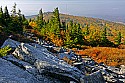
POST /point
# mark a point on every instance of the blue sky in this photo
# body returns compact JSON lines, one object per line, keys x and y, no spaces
{"x":73,"y":7}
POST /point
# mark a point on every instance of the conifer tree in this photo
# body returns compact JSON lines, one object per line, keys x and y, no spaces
{"x":56,"y":16}
{"x":1,"y":17}
{"x":56,"y":22}
{"x":41,"y":14}
{"x":6,"y":13}
{"x":86,"y":30}
{"x":6,"y":16}
{"x":1,"y":12}
{"x":104,"y":39}
{"x":79,"y":34}
{"x":14,"y":10}
{"x":40,"y":21}
{"x":118,"y":38}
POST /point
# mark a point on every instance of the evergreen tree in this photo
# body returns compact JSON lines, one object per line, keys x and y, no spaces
{"x":6,"y":13}
{"x":23,"y":18}
{"x":40,"y":21}
{"x":29,"y":20}
{"x":56,"y":16}
{"x":86,"y":30}
{"x":1,"y":12}
{"x":1,"y":17}
{"x":19,"y":13}
{"x":118,"y":39}
{"x":73,"y":32}
{"x":104,"y":39}
{"x":41,"y":14}
{"x":56,"y":22}
{"x":63,"y":25}
{"x":16,"y":23}
{"x":14,"y":10}
{"x":6,"y":16}
{"x":19,"y":16}
{"x":79,"y":34}
{"x":68,"y":41}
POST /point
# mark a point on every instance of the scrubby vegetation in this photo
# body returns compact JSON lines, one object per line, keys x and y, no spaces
{"x":107,"y":55}
{"x":4,"y":51}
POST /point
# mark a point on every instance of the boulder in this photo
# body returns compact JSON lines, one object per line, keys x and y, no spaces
{"x":31,"y":70}
{"x":11,"y":43}
{"x":47,"y":63}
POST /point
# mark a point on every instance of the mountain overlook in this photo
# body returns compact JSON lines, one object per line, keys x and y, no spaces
{"x":59,"y":48}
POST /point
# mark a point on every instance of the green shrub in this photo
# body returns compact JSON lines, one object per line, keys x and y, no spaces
{"x":4,"y":51}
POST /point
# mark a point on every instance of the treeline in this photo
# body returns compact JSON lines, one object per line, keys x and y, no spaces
{"x":12,"y":22}
{"x":70,"y":34}
{"x":61,"y":33}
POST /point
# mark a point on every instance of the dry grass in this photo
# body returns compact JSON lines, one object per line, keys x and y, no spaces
{"x":107,"y":55}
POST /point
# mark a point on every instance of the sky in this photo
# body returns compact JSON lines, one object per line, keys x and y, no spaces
{"x":72,"y":7}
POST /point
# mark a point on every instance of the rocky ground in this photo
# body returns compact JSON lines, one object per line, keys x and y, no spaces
{"x":46,"y":63}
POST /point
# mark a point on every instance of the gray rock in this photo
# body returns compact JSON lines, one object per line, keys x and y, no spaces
{"x":10,"y":73}
{"x":21,"y":64}
{"x":122,"y":69}
{"x":47,"y":64}
{"x":94,"y":78}
{"x":11,"y":43}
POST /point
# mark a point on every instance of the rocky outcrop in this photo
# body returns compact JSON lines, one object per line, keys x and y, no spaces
{"x":95,"y":77}
{"x":11,"y":43}
{"x":33,"y":63}
{"x":10,"y":73}
{"x":46,"y":63}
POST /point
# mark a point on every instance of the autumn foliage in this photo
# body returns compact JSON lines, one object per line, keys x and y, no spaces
{"x":107,"y":55}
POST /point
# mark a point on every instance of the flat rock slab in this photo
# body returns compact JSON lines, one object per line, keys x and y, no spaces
{"x":10,"y":73}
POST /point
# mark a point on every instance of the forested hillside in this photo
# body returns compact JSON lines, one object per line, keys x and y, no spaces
{"x":63,"y":30}
{"x":72,"y":31}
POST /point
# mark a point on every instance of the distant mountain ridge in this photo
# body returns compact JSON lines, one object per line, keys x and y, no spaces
{"x":112,"y":27}
{"x":119,"y":19}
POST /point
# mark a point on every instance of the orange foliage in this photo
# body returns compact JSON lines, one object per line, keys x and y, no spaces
{"x":107,"y":55}
{"x":62,"y":34}
{"x":68,"y":60}
{"x":33,"y":24}
{"x":57,"y":41}
{"x":35,"y":32}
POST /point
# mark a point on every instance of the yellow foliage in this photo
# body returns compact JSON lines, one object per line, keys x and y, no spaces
{"x":33,"y":24}
{"x":57,"y":41}
{"x":3,"y":51}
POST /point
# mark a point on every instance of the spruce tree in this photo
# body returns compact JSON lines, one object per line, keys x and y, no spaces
{"x":1,"y":12}
{"x":6,"y":13}
{"x":1,"y":17}
{"x":41,"y":14}
{"x":79,"y":34}
{"x":40,"y":21}
{"x":56,"y":22}
{"x":118,"y":39}
{"x":86,"y":30}
{"x":14,"y":10}
{"x":104,"y":39}
{"x":6,"y":16}
{"x":56,"y":15}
